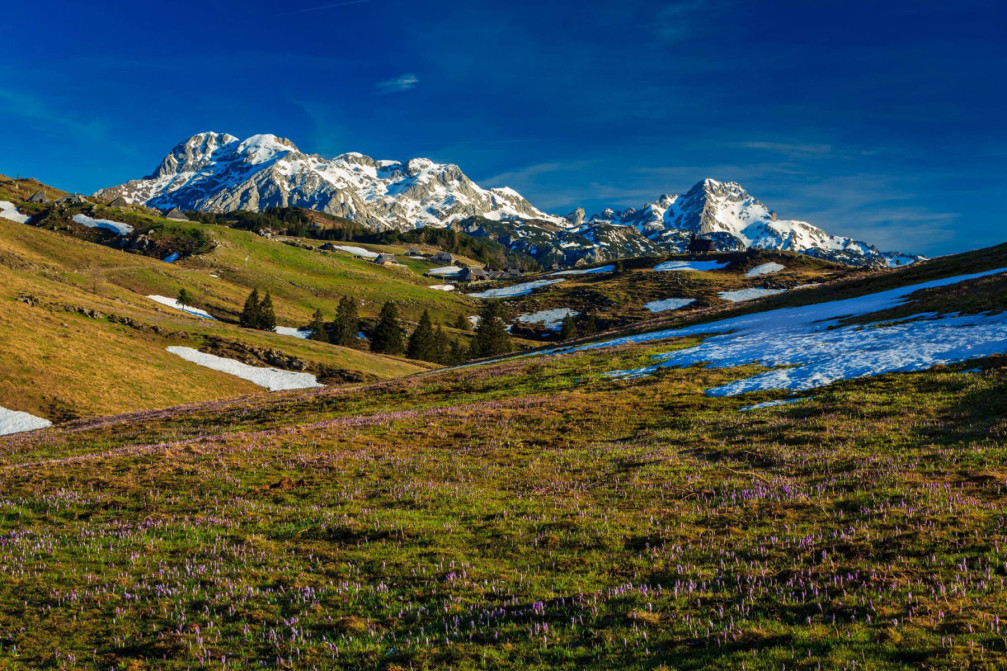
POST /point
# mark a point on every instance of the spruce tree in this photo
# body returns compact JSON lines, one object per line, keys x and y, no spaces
{"x":267,"y":318}
{"x":421,"y":342}
{"x":442,"y":350}
{"x":250,"y":316}
{"x":347,"y":324}
{"x":462,"y":323}
{"x":184,"y":299}
{"x":456,"y":354}
{"x":590,"y":325}
{"x":387,"y":337}
{"x":569,"y":329}
{"x":491,"y":337}
{"x":317,"y":327}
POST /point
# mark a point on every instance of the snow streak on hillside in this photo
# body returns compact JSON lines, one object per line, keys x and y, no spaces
{"x":809,"y":349}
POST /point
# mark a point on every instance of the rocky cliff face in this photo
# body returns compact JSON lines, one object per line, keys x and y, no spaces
{"x":217,"y":172}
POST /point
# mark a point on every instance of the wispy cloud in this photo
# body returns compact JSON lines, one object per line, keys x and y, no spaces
{"x":790,"y":149}
{"x":406,"y":82}
{"x":674,"y":21}
{"x":39,"y":112}
{"x":324,"y":7}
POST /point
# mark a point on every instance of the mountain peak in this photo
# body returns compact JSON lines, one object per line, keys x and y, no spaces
{"x":217,"y":172}
{"x":265,"y":147}
{"x":719,"y":189}
{"x":193,"y":154}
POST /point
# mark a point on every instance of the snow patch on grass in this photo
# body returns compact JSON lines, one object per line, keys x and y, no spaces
{"x":748,"y":294}
{"x":551,"y":320}
{"x":516,"y":290}
{"x":765,"y":269}
{"x":772,"y":404}
{"x":699,"y":266}
{"x":668,"y":304}
{"x":116,"y":227}
{"x":585,"y":271}
{"x":272,"y":379}
{"x":172,"y":303}
{"x":9,"y":211}
{"x":13,"y":421}
{"x":808,"y":348}
{"x":303,"y":334}
{"x":442,"y":287}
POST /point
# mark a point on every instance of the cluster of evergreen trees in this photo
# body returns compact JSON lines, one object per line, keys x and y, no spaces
{"x":425,"y":343}
{"x":258,"y":314}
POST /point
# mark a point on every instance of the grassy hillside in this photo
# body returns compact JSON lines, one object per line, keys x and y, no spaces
{"x":80,"y":338}
{"x":528,"y":514}
{"x":618,"y":298}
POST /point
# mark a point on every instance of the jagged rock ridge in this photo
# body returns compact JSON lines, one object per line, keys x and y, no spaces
{"x":217,"y":172}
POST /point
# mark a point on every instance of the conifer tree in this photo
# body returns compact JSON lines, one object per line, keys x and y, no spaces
{"x":267,"y":318}
{"x":590,"y":325}
{"x":462,"y":323}
{"x":421,"y":342}
{"x":387,"y":337}
{"x":569,"y":329}
{"x":347,"y":324}
{"x":441,"y":349}
{"x":250,"y":315}
{"x":184,"y":299}
{"x":317,"y":327}
{"x":491,"y":336}
{"x":456,"y":354}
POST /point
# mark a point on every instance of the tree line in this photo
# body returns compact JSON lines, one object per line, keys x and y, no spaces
{"x":297,"y":222}
{"x":426,"y":342}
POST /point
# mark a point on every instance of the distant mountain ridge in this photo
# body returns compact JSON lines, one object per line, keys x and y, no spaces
{"x":217,"y":172}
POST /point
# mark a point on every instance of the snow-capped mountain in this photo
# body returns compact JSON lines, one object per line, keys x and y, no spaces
{"x":217,"y":172}
{"x":726,"y":213}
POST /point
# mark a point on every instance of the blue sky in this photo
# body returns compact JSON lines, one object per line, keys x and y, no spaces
{"x":881,"y":120}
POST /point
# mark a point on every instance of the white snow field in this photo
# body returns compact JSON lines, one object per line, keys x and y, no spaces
{"x":115,"y":226}
{"x":172,"y":303}
{"x":13,"y":421}
{"x":516,"y":290}
{"x":9,"y":211}
{"x":586,"y":271}
{"x":442,"y":287}
{"x":747,"y":294}
{"x":700,"y":266}
{"x":809,"y":349}
{"x":765,"y":269}
{"x":551,"y":320}
{"x":303,"y":334}
{"x":272,"y":379}
{"x":668,"y":304}
{"x":443,"y":271}
{"x":358,"y":251}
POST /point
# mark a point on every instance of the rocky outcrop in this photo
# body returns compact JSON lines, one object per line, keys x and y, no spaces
{"x":215,"y":172}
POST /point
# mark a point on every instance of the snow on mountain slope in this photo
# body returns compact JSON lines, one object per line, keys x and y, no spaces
{"x":725,"y":212}
{"x":217,"y":172}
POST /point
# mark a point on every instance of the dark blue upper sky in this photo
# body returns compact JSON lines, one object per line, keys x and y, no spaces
{"x":881,"y":120}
